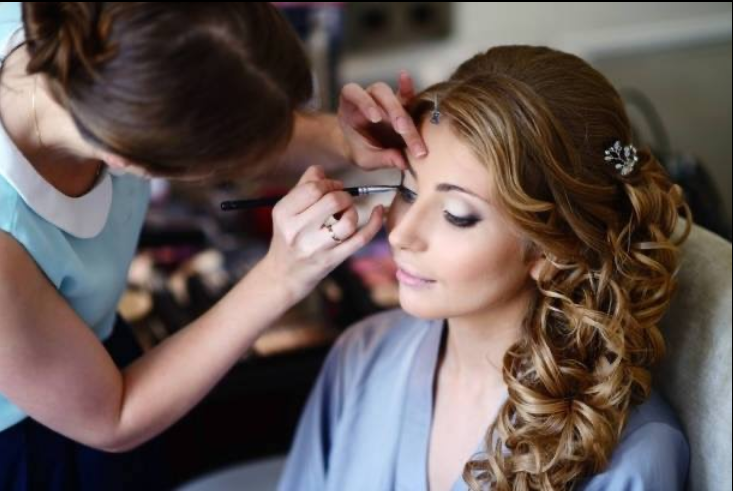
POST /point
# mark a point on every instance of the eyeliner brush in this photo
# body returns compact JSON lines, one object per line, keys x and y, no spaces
{"x":246,"y":204}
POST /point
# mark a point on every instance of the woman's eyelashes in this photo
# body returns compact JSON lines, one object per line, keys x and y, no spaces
{"x":409,"y":197}
{"x":461,"y":222}
{"x":405,"y":194}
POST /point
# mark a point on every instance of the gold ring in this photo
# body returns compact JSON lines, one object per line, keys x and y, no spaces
{"x":329,"y":227}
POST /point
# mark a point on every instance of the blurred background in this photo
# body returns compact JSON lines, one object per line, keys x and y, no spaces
{"x":670,"y":61}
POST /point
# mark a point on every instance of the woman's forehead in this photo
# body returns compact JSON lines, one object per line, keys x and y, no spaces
{"x":450,"y":160}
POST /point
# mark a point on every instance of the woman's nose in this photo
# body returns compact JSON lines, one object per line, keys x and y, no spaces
{"x":406,"y":230}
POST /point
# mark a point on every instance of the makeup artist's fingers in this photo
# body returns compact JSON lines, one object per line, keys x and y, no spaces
{"x":302,"y":255}
{"x":361,"y":238}
{"x":330,"y":204}
{"x":347,"y":224}
{"x":340,"y":230}
{"x":370,"y":155}
{"x":392,"y":158}
{"x":357,"y":106}
{"x":401,"y":121}
{"x":374,"y":146}
{"x":303,"y":196}
{"x":405,"y":88}
{"x":312,"y":173}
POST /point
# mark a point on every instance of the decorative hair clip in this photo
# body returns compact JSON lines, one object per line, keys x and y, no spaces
{"x":435,"y":116}
{"x":622,"y":157}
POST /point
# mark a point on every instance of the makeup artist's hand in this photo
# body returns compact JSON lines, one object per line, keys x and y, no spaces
{"x":376,"y":125}
{"x":303,"y":251}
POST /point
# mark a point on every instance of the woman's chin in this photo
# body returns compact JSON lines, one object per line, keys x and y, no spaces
{"x":421,"y":308}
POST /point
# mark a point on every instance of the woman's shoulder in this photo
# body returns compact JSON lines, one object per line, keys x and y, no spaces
{"x":19,"y":221}
{"x":653,"y":411}
{"x":9,"y":203}
{"x":653,"y":452}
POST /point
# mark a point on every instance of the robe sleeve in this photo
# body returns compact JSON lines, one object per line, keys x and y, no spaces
{"x":306,"y":468}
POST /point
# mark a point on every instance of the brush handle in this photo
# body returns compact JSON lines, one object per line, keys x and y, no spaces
{"x":246,"y":204}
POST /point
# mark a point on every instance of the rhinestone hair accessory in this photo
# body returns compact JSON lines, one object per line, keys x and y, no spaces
{"x":623,"y":158}
{"x":435,"y":115}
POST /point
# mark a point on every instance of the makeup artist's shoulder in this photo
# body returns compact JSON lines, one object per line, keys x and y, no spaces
{"x":387,"y":330}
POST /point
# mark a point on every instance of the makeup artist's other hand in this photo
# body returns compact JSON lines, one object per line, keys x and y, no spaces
{"x":376,"y":125}
{"x":302,"y":251}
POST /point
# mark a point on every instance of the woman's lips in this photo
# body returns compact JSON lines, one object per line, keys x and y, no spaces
{"x":410,"y":279}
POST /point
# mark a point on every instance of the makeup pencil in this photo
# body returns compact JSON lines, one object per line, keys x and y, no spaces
{"x":245,"y":204}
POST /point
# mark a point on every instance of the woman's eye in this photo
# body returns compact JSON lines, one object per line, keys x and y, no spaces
{"x":407,"y":195}
{"x":461,"y":222}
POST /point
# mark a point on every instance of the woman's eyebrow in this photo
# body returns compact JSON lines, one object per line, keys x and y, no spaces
{"x":446,"y":187}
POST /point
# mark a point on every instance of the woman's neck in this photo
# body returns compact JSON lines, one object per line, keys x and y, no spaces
{"x":475,"y":344}
{"x":44,"y":131}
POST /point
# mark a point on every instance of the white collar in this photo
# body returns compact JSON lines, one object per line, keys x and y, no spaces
{"x":83,"y":217}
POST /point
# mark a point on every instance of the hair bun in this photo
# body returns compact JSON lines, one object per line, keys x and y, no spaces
{"x":63,"y":36}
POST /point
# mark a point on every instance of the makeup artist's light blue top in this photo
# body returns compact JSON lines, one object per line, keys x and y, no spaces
{"x":83,"y":245}
{"x":367,"y":422}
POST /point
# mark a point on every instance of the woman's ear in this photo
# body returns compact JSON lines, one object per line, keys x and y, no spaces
{"x":123,"y":165}
{"x":536,"y":267}
{"x":116,"y":161}
{"x":538,"y":263}
{"x":542,"y":267}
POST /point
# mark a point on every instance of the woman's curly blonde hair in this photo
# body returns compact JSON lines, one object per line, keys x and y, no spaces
{"x":541,"y":120}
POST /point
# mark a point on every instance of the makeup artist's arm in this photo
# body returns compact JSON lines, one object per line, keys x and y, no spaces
{"x":55,"y":369}
{"x":370,"y":128}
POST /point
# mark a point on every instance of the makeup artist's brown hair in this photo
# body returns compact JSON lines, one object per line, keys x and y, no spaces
{"x":183,"y":88}
{"x":540,"y":120}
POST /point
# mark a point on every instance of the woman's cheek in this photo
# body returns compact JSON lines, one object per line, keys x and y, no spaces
{"x":396,"y":210}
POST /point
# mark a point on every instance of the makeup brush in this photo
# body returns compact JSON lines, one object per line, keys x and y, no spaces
{"x":245,"y":204}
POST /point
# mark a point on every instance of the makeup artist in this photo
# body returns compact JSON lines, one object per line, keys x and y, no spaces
{"x":99,"y":96}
